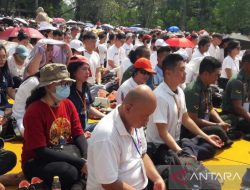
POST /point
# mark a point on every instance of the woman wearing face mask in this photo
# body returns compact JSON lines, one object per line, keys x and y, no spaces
{"x":52,"y":121}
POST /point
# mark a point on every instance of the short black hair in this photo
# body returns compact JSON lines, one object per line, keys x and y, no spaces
{"x":120,"y":36}
{"x":232,"y":44}
{"x":217,"y":35}
{"x":246,"y":58}
{"x":209,"y":64}
{"x":102,"y":35}
{"x":163,"y":49}
{"x":57,"y":33}
{"x":171,"y":61}
{"x":204,"y":40}
{"x":89,"y":35}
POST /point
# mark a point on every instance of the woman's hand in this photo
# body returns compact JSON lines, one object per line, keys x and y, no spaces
{"x":87,"y":134}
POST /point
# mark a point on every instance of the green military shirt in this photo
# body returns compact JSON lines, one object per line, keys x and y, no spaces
{"x":238,"y":88}
{"x":198,"y":99}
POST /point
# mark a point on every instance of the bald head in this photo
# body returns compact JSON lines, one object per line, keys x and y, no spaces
{"x":137,"y":106}
{"x":141,"y":94}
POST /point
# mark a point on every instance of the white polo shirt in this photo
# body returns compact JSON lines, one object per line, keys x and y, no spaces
{"x":94,"y":64}
{"x":229,"y":63}
{"x":102,"y":48}
{"x":197,"y":54}
{"x":124,"y":89}
{"x":214,"y":51}
{"x":113,"y":154}
{"x":153,"y":59}
{"x":116,"y":55}
{"x":127,"y":48}
{"x":166,"y":112}
{"x":126,"y":63}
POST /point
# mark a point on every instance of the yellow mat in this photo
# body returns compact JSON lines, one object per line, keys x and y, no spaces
{"x":229,"y":164}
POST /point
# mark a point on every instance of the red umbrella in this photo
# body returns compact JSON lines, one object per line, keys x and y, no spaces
{"x":180,"y":42}
{"x":13,"y":32}
{"x":58,"y":20}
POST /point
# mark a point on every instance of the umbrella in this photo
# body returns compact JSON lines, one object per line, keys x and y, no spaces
{"x":58,"y":20}
{"x":107,"y":26}
{"x":135,"y":29}
{"x":71,"y":22}
{"x":174,"y":29}
{"x":8,"y":45}
{"x":88,"y":24}
{"x":22,"y":21}
{"x":180,"y":42}
{"x":244,"y":40}
{"x":13,"y":32}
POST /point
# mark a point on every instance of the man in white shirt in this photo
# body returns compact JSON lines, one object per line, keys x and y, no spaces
{"x":164,"y":126}
{"x":203,"y":46}
{"x":141,"y":73}
{"x":89,"y":40}
{"x":192,"y":68}
{"x":117,"y":157}
{"x":214,"y":49}
{"x":128,"y":45}
{"x":116,"y":52}
{"x":153,"y":57}
{"x":102,"y":48}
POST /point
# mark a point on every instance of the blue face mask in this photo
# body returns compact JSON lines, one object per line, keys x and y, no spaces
{"x":62,"y":92}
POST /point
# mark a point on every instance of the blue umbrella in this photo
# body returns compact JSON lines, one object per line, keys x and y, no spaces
{"x":135,"y":29}
{"x":174,"y":29}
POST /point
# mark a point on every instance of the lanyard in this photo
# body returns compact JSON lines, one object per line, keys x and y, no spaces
{"x":83,"y":100}
{"x":136,"y":144}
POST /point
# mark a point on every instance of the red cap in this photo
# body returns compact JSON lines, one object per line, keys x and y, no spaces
{"x":79,"y":58}
{"x":146,"y":37}
{"x":145,"y":64}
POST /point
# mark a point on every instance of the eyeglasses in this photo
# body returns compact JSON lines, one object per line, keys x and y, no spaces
{"x":238,"y":48}
{"x":144,"y":72}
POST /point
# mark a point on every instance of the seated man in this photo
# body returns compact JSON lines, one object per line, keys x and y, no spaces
{"x":117,"y":157}
{"x":199,"y":101}
{"x":165,"y":123}
{"x":235,"y":103}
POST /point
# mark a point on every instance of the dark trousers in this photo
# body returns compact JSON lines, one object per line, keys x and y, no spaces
{"x":68,"y":174}
{"x":7,"y":161}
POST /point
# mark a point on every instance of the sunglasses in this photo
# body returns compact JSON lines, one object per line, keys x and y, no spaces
{"x":144,"y":72}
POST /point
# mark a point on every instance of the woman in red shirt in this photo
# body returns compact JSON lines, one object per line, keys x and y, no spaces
{"x":51,"y":122}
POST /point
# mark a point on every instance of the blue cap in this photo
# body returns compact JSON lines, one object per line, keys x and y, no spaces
{"x":22,"y":51}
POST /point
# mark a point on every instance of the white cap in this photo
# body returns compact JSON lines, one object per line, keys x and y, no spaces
{"x":160,"y":43}
{"x":46,"y":26}
{"x":77,"y":45}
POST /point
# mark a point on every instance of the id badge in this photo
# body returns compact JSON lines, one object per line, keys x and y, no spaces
{"x":246,"y":106}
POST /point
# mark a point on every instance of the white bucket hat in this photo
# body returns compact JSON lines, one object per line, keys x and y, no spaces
{"x":46,"y":26}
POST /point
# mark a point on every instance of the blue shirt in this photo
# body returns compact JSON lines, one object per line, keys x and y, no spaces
{"x":77,"y":98}
{"x":158,"y":77}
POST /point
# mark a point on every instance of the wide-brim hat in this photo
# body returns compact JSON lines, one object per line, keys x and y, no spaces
{"x":53,"y":73}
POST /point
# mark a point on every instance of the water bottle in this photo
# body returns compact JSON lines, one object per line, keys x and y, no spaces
{"x":195,"y":187}
{"x":56,"y":185}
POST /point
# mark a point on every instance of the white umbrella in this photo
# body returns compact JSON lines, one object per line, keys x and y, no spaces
{"x":107,"y":26}
{"x":71,"y":22}
{"x":22,"y":21}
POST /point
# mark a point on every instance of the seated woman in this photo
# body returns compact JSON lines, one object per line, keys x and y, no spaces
{"x":16,"y":64}
{"x":230,"y":65}
{"x":51,"y":126}
{"x":6,"y":83}
{"x":80,"y":93}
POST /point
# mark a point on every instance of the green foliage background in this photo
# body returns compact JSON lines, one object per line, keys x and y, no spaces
{"x":214,"y":15}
